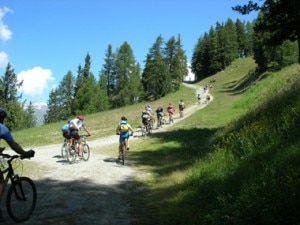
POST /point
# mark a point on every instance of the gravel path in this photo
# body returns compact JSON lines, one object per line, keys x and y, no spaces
{"x":93,"y":192}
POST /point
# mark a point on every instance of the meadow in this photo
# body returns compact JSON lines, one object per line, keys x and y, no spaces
{"x":237,"y":161}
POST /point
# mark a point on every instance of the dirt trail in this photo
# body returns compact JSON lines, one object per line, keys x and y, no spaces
{"x":92,"y":192}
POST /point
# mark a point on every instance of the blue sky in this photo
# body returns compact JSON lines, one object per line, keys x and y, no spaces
{"x":44,"y":39}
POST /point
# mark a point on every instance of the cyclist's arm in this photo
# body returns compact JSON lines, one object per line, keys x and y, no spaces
{"x":130,"y":128}
{"x":16,"y":147}
{"x":87,"y":130}
{"x":118,"y":129}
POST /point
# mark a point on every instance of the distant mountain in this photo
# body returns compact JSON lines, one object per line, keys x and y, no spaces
{"x":40,"y":109}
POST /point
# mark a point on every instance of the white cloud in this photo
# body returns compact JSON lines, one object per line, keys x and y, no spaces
{"x":5,"y":32}
{"x":3,"y":60}
{"x":35,"y":81}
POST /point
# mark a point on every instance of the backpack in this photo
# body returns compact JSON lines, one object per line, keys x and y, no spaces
{"x":65,"y":127}
{"x":73,"y":125}
{"x":124,"y":127}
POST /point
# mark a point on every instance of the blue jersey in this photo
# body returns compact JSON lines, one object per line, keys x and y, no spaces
{"x":5,"y":133}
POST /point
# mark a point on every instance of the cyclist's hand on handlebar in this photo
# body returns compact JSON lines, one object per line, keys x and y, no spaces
{"x":29,"y":154}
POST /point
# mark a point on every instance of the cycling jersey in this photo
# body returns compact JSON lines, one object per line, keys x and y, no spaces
{"x":76,"y":124}
{"x":5,"y":133}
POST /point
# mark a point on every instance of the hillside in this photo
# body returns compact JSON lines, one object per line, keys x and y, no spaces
{"x":236,"y":161}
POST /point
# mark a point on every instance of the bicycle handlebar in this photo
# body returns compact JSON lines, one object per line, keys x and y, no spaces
{"x":29,"y":154}
{"x":12,"y":157}
{"x":84,"y":135}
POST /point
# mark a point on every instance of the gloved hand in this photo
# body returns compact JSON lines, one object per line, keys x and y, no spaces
{"x":29,"y":154}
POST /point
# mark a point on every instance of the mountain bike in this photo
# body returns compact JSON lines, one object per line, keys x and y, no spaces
{"x":72,"y":150}
{"x":146,"y":129}
{"x":63,"y":148}
{"x":171,"y":120}
{"x":22,"y":195}
{"x":161,"y":121}
{"x":151,"y":123}
{"x":122,"y":156}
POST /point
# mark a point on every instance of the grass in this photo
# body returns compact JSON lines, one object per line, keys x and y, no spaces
{"x":234,"y":162}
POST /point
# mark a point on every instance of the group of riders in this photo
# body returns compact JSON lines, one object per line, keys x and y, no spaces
{"x":70,"y":130}
{"x":147,"y":115}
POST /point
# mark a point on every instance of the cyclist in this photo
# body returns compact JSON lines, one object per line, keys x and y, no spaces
{"x":171,"y":111}
{"x":74,"y":127}
{"x":6,"y":135}
{"x":146,"y":117}
{"x":123,"y":129}
{"x":159,"y":114}
{"x":181,"y":108}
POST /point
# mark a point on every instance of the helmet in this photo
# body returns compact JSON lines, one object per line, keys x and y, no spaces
{"x":80,"y":117}
{"x":3,"y":113}
{"x":124,"y":118}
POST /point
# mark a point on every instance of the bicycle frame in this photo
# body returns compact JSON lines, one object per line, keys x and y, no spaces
{"x":22,"y":190}
{"x":73,"y":146}
{"x":9,"y":176}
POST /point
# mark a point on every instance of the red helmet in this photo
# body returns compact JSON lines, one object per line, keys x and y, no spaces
{"x":80,"y":117}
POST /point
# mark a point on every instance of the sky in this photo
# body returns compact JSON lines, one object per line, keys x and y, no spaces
{"x":44,"y":39}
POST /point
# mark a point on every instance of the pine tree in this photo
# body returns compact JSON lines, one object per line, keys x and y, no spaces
{"x":108,"y":75}
{"x":126,"y":71}
{"x":10,"y":85}
{"x":241,"y":38}
{"x":66,"y":92}
{"x":29,"y":117}
{"x":10,"y":101}
{"x":281,"y":20}
{"x":54,"y":112}
{"x":156,"y":78}
{"x":176,"y":61}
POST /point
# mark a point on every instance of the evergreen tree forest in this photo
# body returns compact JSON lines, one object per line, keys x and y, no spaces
{"x":272,"y":39}
{"x":121,"y":81}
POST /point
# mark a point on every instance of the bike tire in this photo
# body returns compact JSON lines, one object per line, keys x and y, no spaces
{"x":21,"y":199}
{"x":85,"y":152}
{"x":149,"y":129}
{"x":143,"y":130}
{"x":63,"y":150}
{"x":71,"y":154}
{"x":123,"y":154}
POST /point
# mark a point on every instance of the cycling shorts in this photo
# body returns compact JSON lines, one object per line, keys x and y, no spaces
{"x":123,"y":136}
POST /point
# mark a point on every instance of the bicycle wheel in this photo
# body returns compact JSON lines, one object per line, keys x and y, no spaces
{"x":63,"y":150}
{"x":143,"y":130}
{"x":21,"y":199}
{"x":149,"y":128}
{"x":123,"y":153}
{"x":71,"y":153}
{"x":85,"y":152}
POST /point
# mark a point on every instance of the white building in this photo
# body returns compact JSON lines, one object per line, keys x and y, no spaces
{"x":191,"y":77}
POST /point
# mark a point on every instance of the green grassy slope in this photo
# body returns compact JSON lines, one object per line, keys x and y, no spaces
{"x":234,"y":162}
